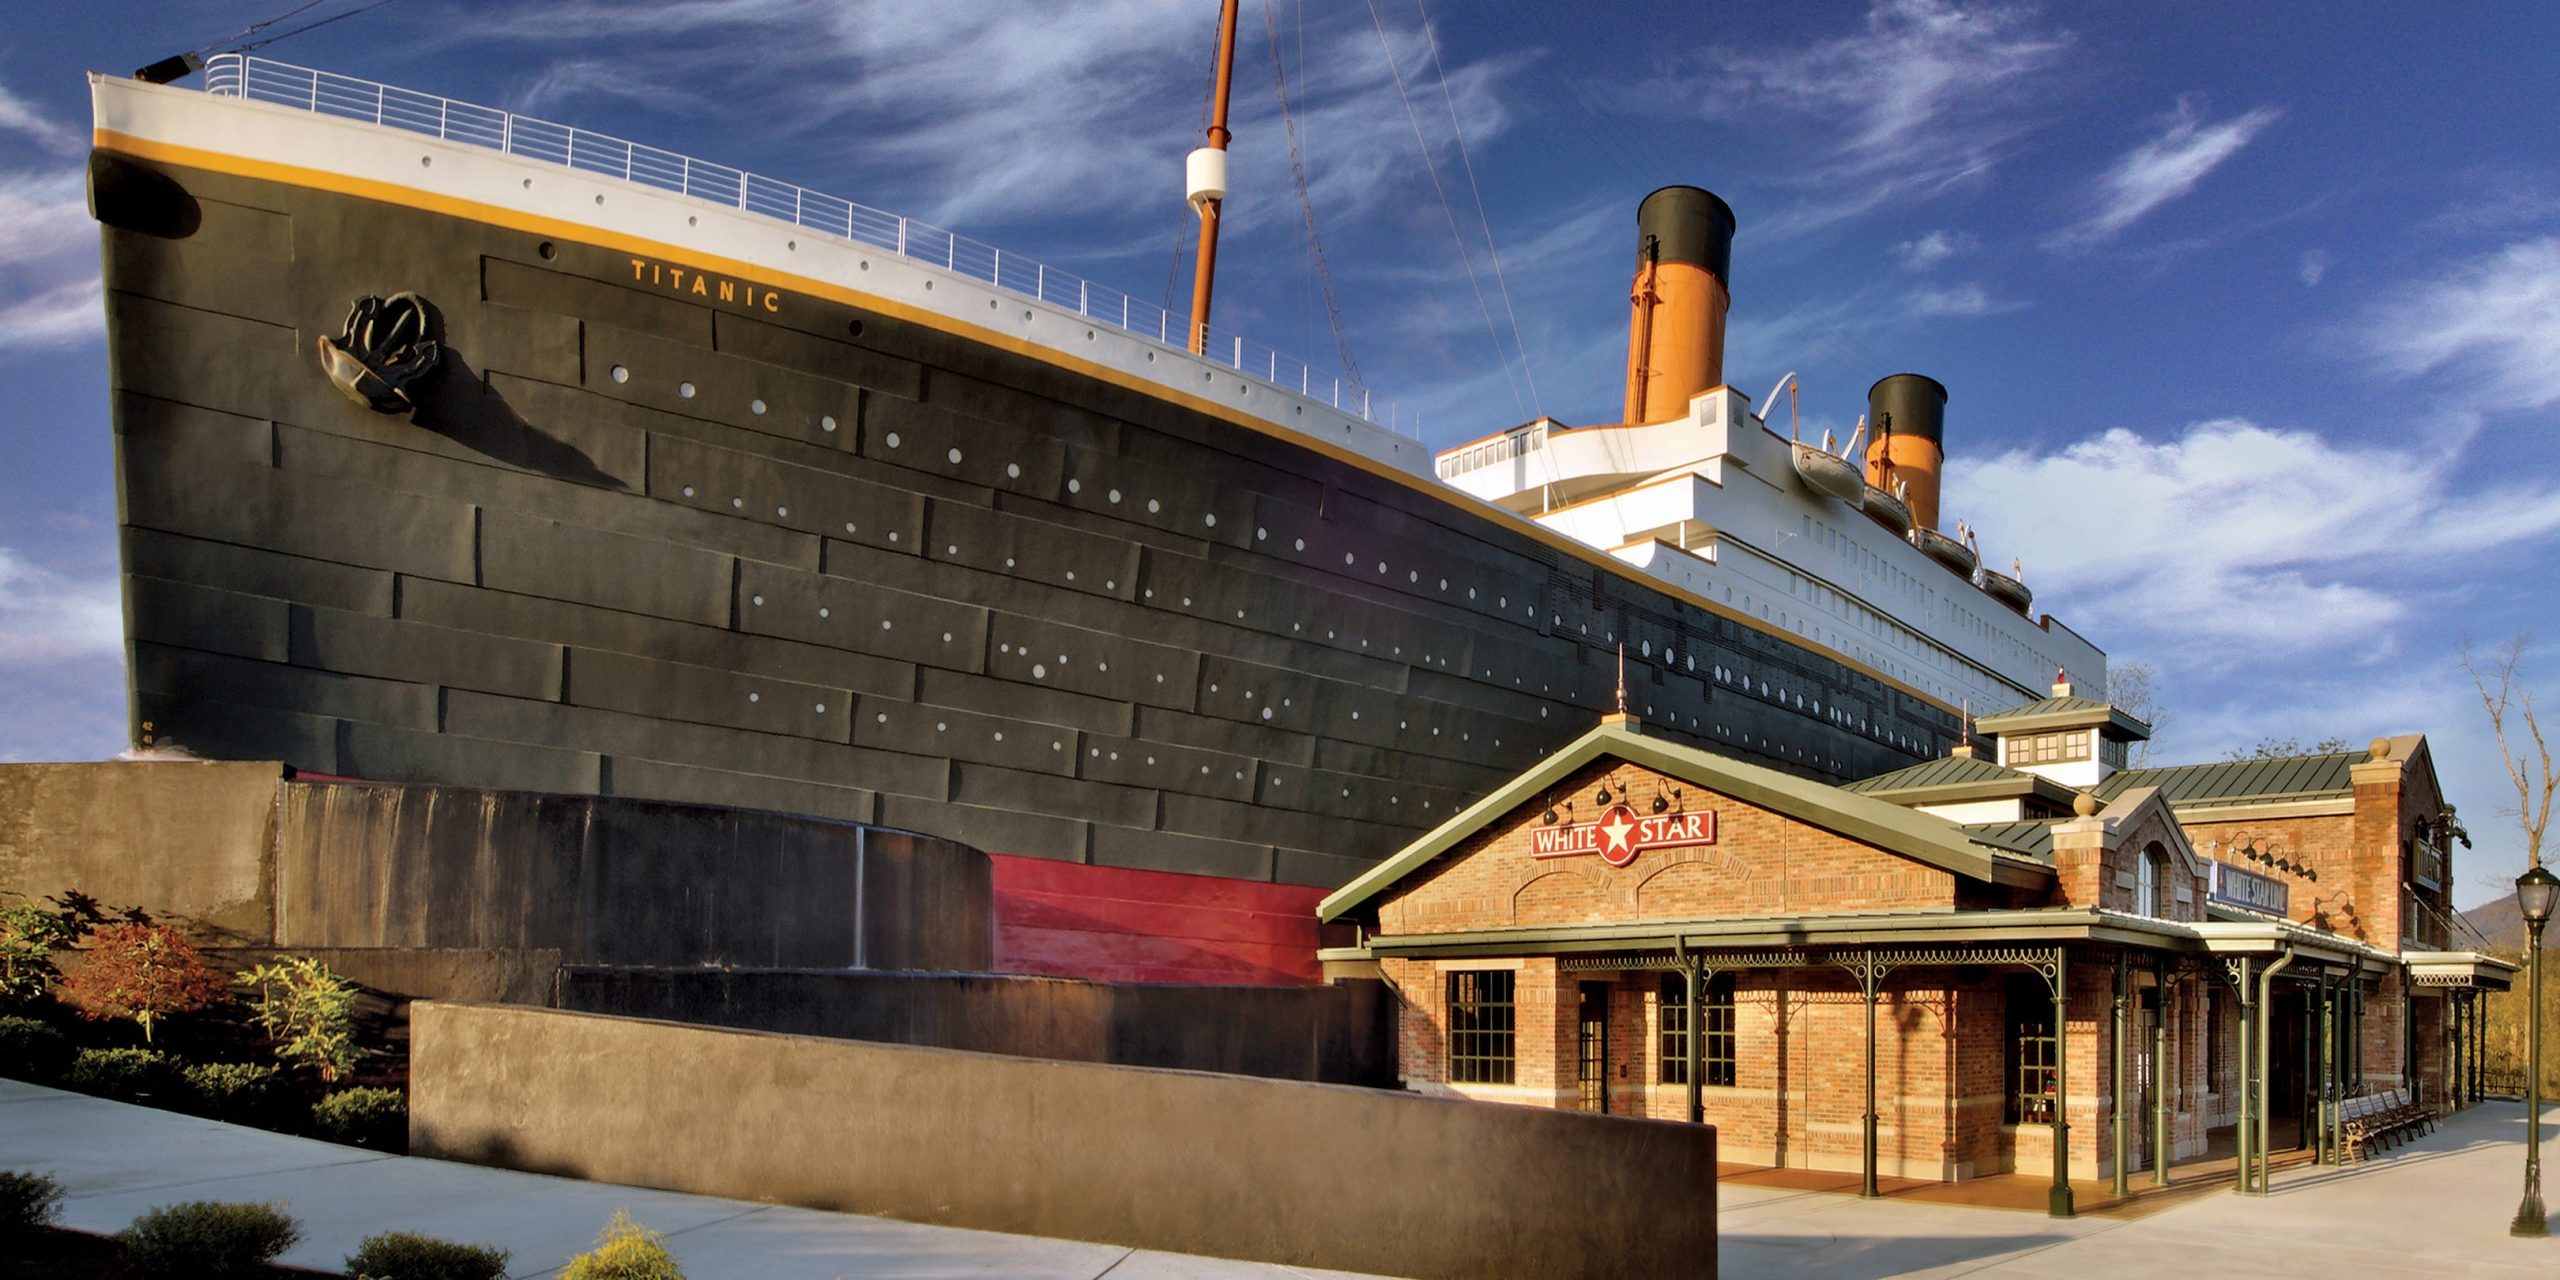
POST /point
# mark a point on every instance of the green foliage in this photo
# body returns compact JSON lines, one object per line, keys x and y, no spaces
{"x":625,"y":1250}
{"x":31,"y":1049}
{"x":364,"y":1117}
{"x":145,"y":972}
{"x":27,"y":1201}
{"x":406,"y":1255}
{"x":207,"y":1238}
{"x":29,"y":935}
{"x":245,"y":1092}
{"x":309,"y":1012}
{"x":123,"y":1074}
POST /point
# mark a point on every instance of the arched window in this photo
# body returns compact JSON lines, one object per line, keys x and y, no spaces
{"x":2151,"y":883}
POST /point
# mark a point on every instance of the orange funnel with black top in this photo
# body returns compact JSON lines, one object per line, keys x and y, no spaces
{"x":1675,"y":339}
{"x":1906,"y":440}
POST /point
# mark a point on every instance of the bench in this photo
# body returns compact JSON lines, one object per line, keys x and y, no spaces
{"x":2380,"y":1118}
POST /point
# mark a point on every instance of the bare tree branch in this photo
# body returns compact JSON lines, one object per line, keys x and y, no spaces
{"x":2512,"y":718}
{"x":2134,"y":688}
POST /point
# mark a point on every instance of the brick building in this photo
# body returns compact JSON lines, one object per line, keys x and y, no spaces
{"x":2021,"y":957}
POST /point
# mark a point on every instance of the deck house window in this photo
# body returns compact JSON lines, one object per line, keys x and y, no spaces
{"x":2050,"y":748}
{"x":1715,"y":1009}
{"x":1480,"y":1027}
{"x":2031,"y":1045}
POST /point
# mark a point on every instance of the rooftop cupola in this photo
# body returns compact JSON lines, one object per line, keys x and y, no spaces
{"x":2070,"y":739}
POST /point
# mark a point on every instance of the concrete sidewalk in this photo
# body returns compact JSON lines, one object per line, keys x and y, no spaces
{"x":2438,"y":1206}
{"x":116,"y":1161}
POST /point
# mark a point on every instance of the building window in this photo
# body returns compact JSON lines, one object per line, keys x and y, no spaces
{"x":1480,"y":1027}
{"x":2111,"y":753}
{"x":2151,"y":888}
{"x":2212,"y":1038}
{"x":1715,"y":1009}
{"x":2032,"y":1047}
{"x":2049,"y":748}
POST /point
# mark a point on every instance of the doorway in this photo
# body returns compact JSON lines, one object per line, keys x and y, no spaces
{"x":1592,"y":1047}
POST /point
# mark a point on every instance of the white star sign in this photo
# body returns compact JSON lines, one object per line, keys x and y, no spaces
{"x":1621,"y":834}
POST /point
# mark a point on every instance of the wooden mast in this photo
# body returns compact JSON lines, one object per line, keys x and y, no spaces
{"x":1209,"y":192}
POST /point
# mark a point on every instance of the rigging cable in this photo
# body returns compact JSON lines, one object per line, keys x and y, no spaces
{"x":1306,"y":205}
{"x":256,"y":27}
{"x":1465,"y":258}
{"x":1500,"y":284}
{"x":308,"y":26}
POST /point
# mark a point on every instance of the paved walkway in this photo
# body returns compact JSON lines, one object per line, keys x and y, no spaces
{"x":117,"y":1161}
{"x":2436,"y":1207}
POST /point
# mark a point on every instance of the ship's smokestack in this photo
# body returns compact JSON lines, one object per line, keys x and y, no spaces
{"x":1675,"y":340}
{"x":1906,"y":440}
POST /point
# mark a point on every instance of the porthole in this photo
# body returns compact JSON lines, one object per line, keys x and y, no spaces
{"x":953,"y":457}
{"x":755,"y":697}
{"x":756,"y":407}
{"x":1154,"y":507}
{"x":1209,"y":520}
{"x":828,"y":422}
{"x":853,"y":328}
{"x":1039,"y":671}
{"x":688,"y":491}
{"x":823,"y":611}
{"x":621,"y":374}
{"x":1300,"y":544}
{"x":547,"y":249}
{"x":890,"y":440}
{"x":1013,"y":471}
{"x":1261,"y":535}
{"x":739,"y":504}
{"x":1114,"y":496}
{"x":685,"y":389}
{"x":1075,"y":486}
{"x":782,"y":513}
{"x":822,"y":708}
{"x":758,"y":601}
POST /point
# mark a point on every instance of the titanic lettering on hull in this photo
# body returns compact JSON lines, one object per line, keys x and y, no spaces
{"x":698,"y":284}
{"x":1622,"y":833}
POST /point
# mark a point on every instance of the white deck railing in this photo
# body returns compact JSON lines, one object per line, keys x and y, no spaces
{"x":348,"y":97}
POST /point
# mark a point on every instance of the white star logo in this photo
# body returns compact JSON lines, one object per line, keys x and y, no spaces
{"x":1617,"y":837}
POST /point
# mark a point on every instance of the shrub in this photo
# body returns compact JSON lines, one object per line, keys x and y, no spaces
{"x":123,"y":1074}
{"x":145,"y":972}
{"x":31,"y":1050}
{"x":27,"y":1201}
{"x":406,"y":1255}
{"x":241,"y":1091}
{"x":308,"y":1011}
{"x":625,"y":1250}
{"x":365,"y":1117}
{"x":29,"y":935}
{"x":207,"y":1238}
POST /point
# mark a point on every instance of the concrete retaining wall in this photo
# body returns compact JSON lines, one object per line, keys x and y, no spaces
{"x":1339,"y":1035}
{"x":1304,"y":1174}
{"x":245,"y":857}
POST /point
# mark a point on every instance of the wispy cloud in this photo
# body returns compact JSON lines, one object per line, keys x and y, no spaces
{"x":49,"y":617}
{"x":1924,"y":252}
{"x":1960,"y":301}
{"x":1926,"y":97}
{"x":48,"y":246}
{"x":19,"y":116}
{"x":2499,"y":200}
{"x":2494,"y":319}
{"x":65,"y":313}
{"x":2315,"y":266}
{"x":2159,"y":171}
{"x":2212,"y":545}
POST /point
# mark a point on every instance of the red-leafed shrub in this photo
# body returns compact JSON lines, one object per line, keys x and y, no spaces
{"x":145,"y":972}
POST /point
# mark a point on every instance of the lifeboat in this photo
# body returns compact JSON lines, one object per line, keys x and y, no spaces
{"x":1957,"y":557}
{"x":1829,"y":474}
{"x":2005,"y":589}
{"x":1889,"y":510}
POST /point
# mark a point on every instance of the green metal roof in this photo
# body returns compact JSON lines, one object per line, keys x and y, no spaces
{"x":2234,"y":781}
{"x":2063,"y":712}
{"x":1953,"y":778}
{"x":1924,"y":837}
{"x":2033,"y":838}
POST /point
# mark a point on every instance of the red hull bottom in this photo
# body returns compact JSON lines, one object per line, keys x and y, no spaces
{"x":1109,"y":924}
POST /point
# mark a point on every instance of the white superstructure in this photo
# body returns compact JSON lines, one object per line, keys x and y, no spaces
{"x":1711,"y":504}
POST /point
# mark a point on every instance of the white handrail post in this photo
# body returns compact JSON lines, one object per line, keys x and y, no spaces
{"x":902,"y":236}
{"x":1239,"y":360}
{"x":1084,"y":297}
{"x":444,"y":117}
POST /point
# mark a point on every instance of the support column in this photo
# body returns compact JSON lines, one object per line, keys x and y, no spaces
{"x":2115,"y":1102}
{"x":1867,"y":1152}
{"x":2058,"y":1201}
{"x":2266,"y":1014}
{"x":2328,"y":1153}
{"x":2161,"y":1075}
{"x":1697,"y":1101}
{"x":2248,"y":1020}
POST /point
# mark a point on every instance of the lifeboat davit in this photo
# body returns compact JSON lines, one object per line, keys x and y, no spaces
{"x":1829,"y":474}
{"x":1957,"y":557}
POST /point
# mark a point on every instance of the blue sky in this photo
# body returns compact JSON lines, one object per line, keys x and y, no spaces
{"x":2250,"y":313}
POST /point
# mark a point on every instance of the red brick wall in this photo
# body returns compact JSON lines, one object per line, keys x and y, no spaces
{"x":1762,"y":864}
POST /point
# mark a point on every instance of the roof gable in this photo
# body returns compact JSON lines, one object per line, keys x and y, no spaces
{"x":2064,"y":711}
{"x":1922,"y":837}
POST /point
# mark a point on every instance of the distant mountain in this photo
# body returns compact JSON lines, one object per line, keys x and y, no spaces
{"x":2501,"y":923}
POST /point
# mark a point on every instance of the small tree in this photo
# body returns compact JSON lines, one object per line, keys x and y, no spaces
{"x":144,"y":972}
{"x":29,"y":935}
{"x":2521,"y":745}
{"x":308,"y":1011}
{"x":2134,"y":688}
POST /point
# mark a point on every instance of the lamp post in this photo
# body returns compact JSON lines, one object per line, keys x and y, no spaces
{"x":2536,"y":891}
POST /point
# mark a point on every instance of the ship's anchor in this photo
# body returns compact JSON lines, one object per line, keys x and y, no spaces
{"x":383,"y":350}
